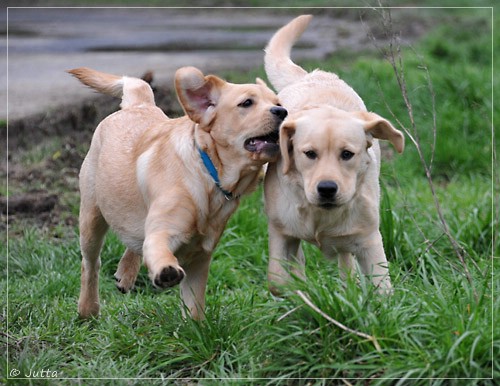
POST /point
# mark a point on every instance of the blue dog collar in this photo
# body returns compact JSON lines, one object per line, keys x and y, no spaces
{"x":209,"y":165}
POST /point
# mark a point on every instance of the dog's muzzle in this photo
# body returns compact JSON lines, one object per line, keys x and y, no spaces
{"x":268,"y":143}
{"x":279,"y":111}
{"x":327,"y":191}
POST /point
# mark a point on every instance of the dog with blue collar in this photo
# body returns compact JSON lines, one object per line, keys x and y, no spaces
{"x":167,"y":187}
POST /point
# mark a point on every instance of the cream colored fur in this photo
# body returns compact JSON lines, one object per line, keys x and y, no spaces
{"x":144,"y":178}
{"x":324,"y":189}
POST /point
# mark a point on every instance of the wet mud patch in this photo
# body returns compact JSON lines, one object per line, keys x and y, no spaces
{"x":43,"y":186}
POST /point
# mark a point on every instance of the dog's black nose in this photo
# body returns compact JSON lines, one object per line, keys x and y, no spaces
{"x":327,"y":189}
{"x":280,"y":112}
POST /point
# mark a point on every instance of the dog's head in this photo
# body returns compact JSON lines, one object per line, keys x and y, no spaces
{"x":240,"y":120}
{"x":329,"y":149}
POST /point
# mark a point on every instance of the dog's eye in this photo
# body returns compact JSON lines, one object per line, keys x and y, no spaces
{"x":311,"y":154}
{"x":246,"y":103}
{"x":346,"y":155}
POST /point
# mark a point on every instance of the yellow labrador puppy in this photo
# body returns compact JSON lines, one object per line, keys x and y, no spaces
{"x":168,"y":186}
{"x":324,"y":189}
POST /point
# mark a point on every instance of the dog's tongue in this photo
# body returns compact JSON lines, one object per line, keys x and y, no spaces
{"x":265,"y":143}
{"x":259,"y":145}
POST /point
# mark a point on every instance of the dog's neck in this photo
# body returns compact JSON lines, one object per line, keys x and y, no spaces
{"x":232,"y":181}
{"x":212,"y":170}
{"x":211,"y":160}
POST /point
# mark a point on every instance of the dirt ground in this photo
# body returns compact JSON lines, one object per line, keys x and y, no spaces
{"x":43,"y":177}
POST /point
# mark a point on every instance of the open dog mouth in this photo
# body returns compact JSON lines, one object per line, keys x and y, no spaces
{"x":267,"y":143}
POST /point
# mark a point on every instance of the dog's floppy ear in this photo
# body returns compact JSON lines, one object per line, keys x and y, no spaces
{"x":287,"y":130}
{"x":198,"y":94}
{"x":381,"y":128}
{"x":260,"y":82}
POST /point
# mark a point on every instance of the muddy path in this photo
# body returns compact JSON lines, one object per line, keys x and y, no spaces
{"x":45,"y":42}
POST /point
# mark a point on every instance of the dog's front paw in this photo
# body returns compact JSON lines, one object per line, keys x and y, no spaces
{"x":385,"y":288}
{"x":168,"y":277}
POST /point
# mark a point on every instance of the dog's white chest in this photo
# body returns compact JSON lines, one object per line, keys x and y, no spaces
{"x":320,"y":227}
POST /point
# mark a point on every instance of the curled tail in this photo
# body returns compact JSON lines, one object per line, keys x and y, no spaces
{"x":132,"y":91}
{"x":280,"y":69}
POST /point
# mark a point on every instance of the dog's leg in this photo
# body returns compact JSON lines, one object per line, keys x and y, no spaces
{"x":163,"y":268}
{"x":166,"y":228}
{"x":373,"y":263}
{"x":346,"y":265}
{"x":285,"y":255}
{"x":127,"y":271}
{"x":194,"y":285}
{"x":299,"y":264}
{"x":93,"y":228}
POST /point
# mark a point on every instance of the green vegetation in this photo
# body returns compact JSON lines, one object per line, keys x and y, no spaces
{"x":437,"y":324}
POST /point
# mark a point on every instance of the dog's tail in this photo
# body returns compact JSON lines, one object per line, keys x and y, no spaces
{"x":280,"y":69}
{"x":132,"y":91}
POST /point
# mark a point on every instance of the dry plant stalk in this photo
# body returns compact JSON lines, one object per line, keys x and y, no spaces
{"x":371,"y":338}
{"x":394,"y":57}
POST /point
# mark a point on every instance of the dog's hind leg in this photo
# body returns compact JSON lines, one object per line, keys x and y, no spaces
{"x":128,"y":269}
{"x":93,"y":228}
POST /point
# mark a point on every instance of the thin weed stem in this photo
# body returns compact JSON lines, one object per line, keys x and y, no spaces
{"x":395,"y":57}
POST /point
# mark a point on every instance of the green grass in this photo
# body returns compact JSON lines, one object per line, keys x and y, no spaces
{"x":426,"y":329}
{"x":435,"y":329}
